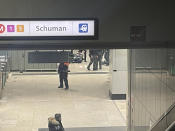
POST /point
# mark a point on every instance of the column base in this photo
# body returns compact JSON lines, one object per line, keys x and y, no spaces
{"x":117,"y":96}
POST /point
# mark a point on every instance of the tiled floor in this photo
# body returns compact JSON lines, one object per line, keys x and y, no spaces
{"x":28,"y":100}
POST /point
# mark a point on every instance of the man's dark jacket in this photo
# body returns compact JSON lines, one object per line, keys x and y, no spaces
{"x":62,"y":68}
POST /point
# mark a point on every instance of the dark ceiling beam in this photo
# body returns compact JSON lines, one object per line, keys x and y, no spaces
{"x":79,"y":45}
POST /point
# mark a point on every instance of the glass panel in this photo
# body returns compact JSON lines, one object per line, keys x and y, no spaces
{"x":152,"y":85}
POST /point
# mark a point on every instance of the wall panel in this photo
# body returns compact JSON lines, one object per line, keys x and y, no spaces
{"x":152,"y":88}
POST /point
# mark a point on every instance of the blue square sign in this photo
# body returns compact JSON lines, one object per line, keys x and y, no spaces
{"x":83,"y":28}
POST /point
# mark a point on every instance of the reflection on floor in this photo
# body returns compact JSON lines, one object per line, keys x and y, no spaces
{"x":28,"y":100}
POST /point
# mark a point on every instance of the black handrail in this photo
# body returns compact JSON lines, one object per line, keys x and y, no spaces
{"x":171,"y":127}
{"x":163,"y":121}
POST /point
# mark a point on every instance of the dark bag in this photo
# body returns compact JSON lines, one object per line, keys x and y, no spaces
{"x":55,"y":125}
{"x":55,"y":128}
{"x":61,"y":127}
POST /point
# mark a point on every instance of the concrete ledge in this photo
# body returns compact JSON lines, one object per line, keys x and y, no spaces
{"x":117,"y":96}
{"x":115,"y":128}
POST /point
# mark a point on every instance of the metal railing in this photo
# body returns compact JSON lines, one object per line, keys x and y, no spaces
{"x":171,"y":127}
{"x":4,"y":72}
{"x":166,"y":121}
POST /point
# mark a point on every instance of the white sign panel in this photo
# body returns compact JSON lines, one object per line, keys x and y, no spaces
{"x":47,"y":28}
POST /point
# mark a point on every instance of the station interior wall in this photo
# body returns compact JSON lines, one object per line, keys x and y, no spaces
{"x":152,"y":86}
{"x":18,"y":60}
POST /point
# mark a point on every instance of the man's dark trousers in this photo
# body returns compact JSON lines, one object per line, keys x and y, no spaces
{"x":95,"y":64}
{"x":63,"y":77}
{"x":90,"y":63}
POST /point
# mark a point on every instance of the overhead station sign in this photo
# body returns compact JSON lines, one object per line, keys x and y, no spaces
{"x":54,"y":29}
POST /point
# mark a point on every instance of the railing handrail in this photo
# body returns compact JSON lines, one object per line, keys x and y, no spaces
{"x":164,"y":115}
{"x":172,"y":124}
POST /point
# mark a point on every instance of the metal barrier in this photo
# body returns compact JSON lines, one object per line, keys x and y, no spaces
{"x":166,"y":122}
{"x":171,"y":127}
{"x":4,"y":70}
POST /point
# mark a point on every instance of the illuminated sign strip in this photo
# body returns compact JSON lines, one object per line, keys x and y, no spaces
{"x":47,"y":28}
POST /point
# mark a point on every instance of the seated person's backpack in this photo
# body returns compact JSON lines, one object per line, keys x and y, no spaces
{"x":54,"y":125}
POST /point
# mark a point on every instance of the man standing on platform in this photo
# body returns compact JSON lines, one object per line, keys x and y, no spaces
{"x":63,"y":74}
